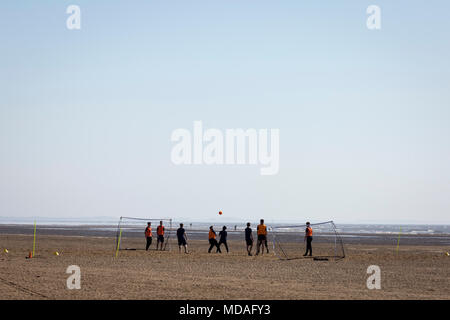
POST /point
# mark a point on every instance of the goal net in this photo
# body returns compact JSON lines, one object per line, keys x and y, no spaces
{"x":289,"y":241}
{"x":130,"y":233}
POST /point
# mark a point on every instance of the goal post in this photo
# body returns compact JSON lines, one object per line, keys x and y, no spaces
{"x":130,"y":233}
{"x":288,"y":241}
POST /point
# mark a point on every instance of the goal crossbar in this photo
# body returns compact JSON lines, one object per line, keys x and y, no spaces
{"x":146,"y":219}
{"x":302,"y":225}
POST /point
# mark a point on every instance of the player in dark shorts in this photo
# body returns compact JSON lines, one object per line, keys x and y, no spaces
{"x":148,"y":235}
{"x":249,"y":239}
{"x":308,"y":239}
{"x":212,"y":240}
{"x":182,"y":238}
{"x":261,"y":231}
{"x":160,"y":235}
{"x":223,"y":237}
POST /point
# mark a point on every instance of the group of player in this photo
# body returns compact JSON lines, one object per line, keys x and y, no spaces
{"x":160,"y":231}
{"x":261,"y":231}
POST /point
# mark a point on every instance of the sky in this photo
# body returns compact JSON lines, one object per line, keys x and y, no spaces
{"x":86,"y":116}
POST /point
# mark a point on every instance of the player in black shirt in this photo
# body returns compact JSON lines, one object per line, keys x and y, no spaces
{"x":249,"y":239}
{"x":182,"y":238}
{"x":223,"y":237}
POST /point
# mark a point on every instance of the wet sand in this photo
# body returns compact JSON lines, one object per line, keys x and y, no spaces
{"x":417,"y":271}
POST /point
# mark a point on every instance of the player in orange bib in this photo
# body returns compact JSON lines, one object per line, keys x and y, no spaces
{"x":308,"y":239}
{"x":261,"y":231}
{"x":148,"y":235}
{"x":160,"y":233}
{"x":212,"y":240}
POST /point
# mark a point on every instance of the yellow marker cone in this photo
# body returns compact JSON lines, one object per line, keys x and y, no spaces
{"x":56,"y":253}
{"x":6,"y":250}
{"x":447,"y":254}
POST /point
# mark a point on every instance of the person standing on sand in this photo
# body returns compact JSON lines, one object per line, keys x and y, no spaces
{"x":160,"y":235}
{"x":249,"y":239}
{"x":182,"y":238}
{"x":212,"y":240}
{"x":223,"y":237}
{"x":261,"y":231}
{"x":148,"y":235}
{"x":308,"y":239}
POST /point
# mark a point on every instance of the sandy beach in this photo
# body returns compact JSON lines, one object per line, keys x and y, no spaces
{"x":415,"y":272}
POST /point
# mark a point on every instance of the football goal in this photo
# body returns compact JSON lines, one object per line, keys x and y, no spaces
{"x":130,"y":233}
{"x":288,"y":241}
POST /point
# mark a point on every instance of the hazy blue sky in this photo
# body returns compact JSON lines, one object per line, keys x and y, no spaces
{"x":86,"y":115}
